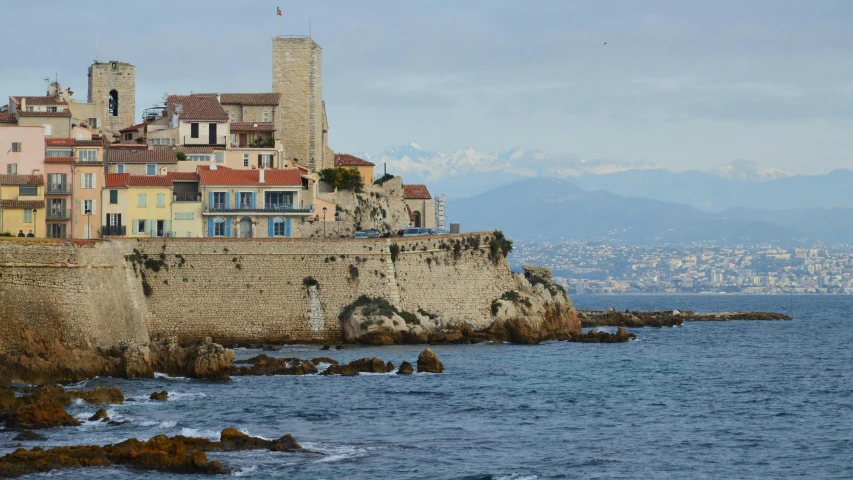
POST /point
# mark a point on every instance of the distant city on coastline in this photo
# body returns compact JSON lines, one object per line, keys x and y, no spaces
{"x":594,"y":268}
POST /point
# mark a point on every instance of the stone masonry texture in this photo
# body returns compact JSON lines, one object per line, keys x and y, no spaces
{"x":118,"y":76}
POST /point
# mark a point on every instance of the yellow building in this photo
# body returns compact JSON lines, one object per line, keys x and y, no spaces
{"x":22,"y":205}
{"x":137,"y":205}
{"x":364,"y":167}
{"x":186,"y":205}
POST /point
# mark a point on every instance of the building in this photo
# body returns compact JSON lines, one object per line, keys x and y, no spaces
{"x":195,"y":120}
{"x":112,"y":88}
{"x":352,"y":162}
{"x":21,"y":150}
{"x":420,"y":205}
{"x":137,"y":205}
{"x":251,"y":203}
{"x":142,"y":160}
{"x":186,"y":204}
{"x":46,"y":111}
{"x":22,"y":204}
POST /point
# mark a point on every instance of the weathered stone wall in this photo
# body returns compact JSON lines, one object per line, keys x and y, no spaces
{"x":103,"y":78}
{"x":81,"y":295}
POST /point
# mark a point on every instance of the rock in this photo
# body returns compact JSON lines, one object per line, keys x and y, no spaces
{"x":405,"y":369}
{"x":40,"y":414}
{"x":116,"y":422}
{"x":343,"y":370}
{"x":428,"y":362}
{"x":339,"y":347}
{"x":209,"y":360}
{"x":131,"y":399}
{"x":622,"y":335}
{"x":99,"y":395}
{"x":101,"y":414}
{"x":326,"y":347}
{"x":594,"y":336}
{"x":371,"y":365}
{"x":265,"y":365}
{"x":135,"y":361}
{"x":29,"y":436}
{"x":330,"y":361}
{"x":160,"y":396}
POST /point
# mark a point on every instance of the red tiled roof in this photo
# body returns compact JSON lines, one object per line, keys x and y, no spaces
{"x":72,"y":142}
{"x":128,"y":146}
{"x":416,"y":192}
{"x":134,"y":127}
{"x":59,"y":159}
{"x":8,"y":118}
{"x":411,"y":215}
{"x":227,"y":176}
{"x":183,"y":176}
{"x":64,"y":113}
{"x":199,"y":107}
{"x":247,"y":98}
{"x":21,"y":180}
{"x":142,"y":155}
{"x":189,"y":149}
{"x":252,"y":126}
{"x":346,"y":160}
{"x":22,"y":203}
{"x":46,"y":100}
{"x":120,"y":180}
{"x":113,"y":180}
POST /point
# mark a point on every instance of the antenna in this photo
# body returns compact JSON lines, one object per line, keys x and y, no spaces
{"x":309,"y":26}
{"x":97,"y":49}
{"x":47,"y":85}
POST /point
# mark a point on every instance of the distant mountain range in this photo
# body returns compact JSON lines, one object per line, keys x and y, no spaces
{"x":557,"y":210}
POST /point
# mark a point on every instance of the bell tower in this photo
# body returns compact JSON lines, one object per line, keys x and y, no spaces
{"x":112,"y":87}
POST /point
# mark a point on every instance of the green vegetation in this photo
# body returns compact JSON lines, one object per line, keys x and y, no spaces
{"x":353,"y":273}
{"x":395,"y":251}
{"x":6,"y":234}
{"x":310,"y":282}
{"x":371,"y":307}
{"x":509,"y":296}
{"x":342,"y":178}
{"x":499,"y":247}
{"x":181,"y":156}
{"x":383,"y":179}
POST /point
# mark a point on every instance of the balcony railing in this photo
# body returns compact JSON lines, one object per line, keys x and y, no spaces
{"x":58,"y":189}
{"x":58,"y":213}
{"x":186,"y":197}
{"x":283,"y":209}
{"x":205,"y":140}
{"x":113,"y":230}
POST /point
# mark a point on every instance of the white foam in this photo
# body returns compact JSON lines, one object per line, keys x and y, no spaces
{"x":182,"y":396}
{"x":164,"y":376}
{"x":246,"y":471}
{"x":192,"y":432}
{"x":517,"y":476}
{"x":335,"y":453}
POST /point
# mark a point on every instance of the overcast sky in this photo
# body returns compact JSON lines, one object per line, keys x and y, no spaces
{"x":685,"y":84}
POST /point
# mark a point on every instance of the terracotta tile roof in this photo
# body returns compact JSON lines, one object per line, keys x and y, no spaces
{"x":8,"y":118}
{"x":183,"y":176}
{"x":248,"y":98}
{"x":134,"y":127}
{"x":227,"y":176}
{"x":121,"y":180}
{"x":411,"y":215}
{"x":416,"y":192}
{"x":59,"y":159}
{"x":189,"y":149}
{"x":22,"y":203}
{"x":21,"y":180}
{"x":142,"y":155}
{"x":252,"y":126}
{"x":128,"y":146}
{"x":64,"y":113}
{"x":72,"y":142}
{"x":346,"y":160}
{"x":199,"y":107}
{"x":46,"y":100}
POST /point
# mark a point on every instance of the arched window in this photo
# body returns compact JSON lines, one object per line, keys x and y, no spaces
{"x":418,"y":220}
{"x":278,"y":229}
{"x":113,"y":103}
{"x":218,"y":227}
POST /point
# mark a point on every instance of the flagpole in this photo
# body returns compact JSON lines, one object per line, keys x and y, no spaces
{"x":277,"y":16}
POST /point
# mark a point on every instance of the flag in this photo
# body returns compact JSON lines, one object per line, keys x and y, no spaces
{"x":278,"y":11}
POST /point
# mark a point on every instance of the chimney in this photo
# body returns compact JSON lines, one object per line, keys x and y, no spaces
{"x":219,"y":98}
{"x":261,"y":176}
{"x":23,"y":104}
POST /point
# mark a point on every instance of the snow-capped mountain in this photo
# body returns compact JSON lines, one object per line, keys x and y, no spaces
{"x":749,"y":171}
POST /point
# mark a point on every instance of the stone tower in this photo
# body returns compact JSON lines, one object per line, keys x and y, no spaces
{"x":297,"y":73}
{"x":113,"y":85}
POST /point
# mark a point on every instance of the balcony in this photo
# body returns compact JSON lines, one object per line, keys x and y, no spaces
{"x":186,"y":197}
{"x":113,"y":230}
{"x":58,"y":189}
{"x":205,"y":140}
{"x":280,"y":209}
{"x":58,"y":213}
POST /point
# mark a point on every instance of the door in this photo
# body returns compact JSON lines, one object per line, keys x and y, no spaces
{"x":211,"y":128}
{"x":245,"y":227}
{"x":244,"y":140}
{"x":161,"y":228}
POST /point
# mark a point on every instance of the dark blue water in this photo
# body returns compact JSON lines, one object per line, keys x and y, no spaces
{"x":706,"y":400}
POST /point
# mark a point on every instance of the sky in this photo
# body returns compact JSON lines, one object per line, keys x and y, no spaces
{"x":682,"y":84}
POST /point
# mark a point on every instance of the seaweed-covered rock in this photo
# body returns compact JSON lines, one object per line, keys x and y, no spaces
{"x":266,"y":365}
{"x":405,"y":369}
{"x":101,"y":414}
{"x":39,"y":414}
{"x":29,"y":436}
{"x":160,"y":396}
{"x":428,"y":362}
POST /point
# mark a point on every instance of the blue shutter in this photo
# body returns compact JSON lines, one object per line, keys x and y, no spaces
{"x":227,"y":199}
{"x":210,"y":204}
{"x":210,"y":224}
{"x":227,"y":224}
{"x":271,"y":230}
{"x":253,"y":200}
{"x":287,"y":227}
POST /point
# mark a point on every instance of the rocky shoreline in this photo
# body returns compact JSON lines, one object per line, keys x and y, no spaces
{"x":668,"y":318}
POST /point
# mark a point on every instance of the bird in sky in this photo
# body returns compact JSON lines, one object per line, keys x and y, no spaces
{"x":605,"y":43}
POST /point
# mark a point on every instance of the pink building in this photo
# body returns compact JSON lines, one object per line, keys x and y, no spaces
{"x":21,"y":150}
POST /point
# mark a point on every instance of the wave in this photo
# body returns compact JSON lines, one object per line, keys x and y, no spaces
{"x":165,"y":376}
{"x":336,"y":453}
{"x":193,"y":432}
{"x":166,"y":424}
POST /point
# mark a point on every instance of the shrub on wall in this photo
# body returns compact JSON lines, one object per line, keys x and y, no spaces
{"x":342,"y":178}
{"x":499,"y":246}
{"x":383,"y":179}
{"x":181,"y":156}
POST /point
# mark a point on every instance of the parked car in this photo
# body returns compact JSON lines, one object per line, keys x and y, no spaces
{"x":373,"y":233}
{"x":400,"y":232}
{"x":360,"y":235}
{"x":415,"y":232}
{"x":438,"y":232}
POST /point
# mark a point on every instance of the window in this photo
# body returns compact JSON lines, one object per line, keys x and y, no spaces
{"x":220,"y":157}
{"x":198,"y":158}
{"x":161,"y":199}
{"x":232,"y":116}
{"x":142,"y":200}
{"x":218,"y":227}
{"x":12,"y":169}
{"x":128,"y":136}
{"x":113,"y":197}
{"x":194,"y":130}
{"x":120,"y":168}
{"x":87,"y":207}
{"x":48,"y":129}
{"x":113,"y":107}
{"x":278,"y":199}
{"x":56,"y":182}
{"x":93,"y":122}
{"x":87,"y":180}
{"x":246,"y":160}
{"x":220,"y":200}
{"x":183,"y":215}
{"x":266,"y":116}
{"x":28,"y":215}
{"x":59,"y":152}
{"x":28,"y":191}
{"x":265,"y":160}
{"x":151,"y":169}
{"x":79,"y":135}
{"x":278,"y":227}
{"x":16,"y":146}
{"x":140,"y":226}
{"x":245,"y":200}
{"x":233,"y":139}
{"x":29,"y":109}
{"x":87,"y":155}
{"x":51,"y":109}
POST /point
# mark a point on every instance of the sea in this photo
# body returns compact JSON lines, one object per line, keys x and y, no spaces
{"x":727,"y":400}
